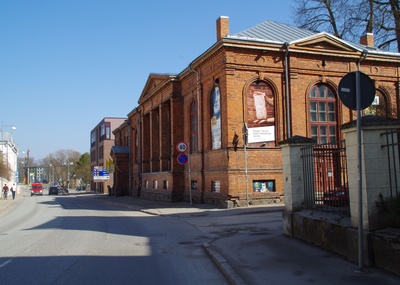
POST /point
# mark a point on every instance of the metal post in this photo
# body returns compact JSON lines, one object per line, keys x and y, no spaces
{"x":190,"y":176}
{"x":68,"y":177}
{"x":360,"y":200}
{"x":245,"y":130}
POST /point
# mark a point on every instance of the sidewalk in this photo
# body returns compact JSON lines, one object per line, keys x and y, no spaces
{"x":9,"y":202}
{"x":266,"y":256}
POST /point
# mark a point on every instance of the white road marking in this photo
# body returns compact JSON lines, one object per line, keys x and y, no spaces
{"x":5,"y":263}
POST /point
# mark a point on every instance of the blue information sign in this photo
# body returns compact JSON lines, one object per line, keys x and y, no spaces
{"x":100,"y":174}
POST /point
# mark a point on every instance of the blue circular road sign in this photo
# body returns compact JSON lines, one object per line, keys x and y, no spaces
{"x":182,"y":158}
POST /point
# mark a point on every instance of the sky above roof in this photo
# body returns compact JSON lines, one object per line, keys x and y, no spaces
{"x":67,"y":64}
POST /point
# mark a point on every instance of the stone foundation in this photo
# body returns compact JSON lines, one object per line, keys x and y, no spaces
{"x":334,"y":233}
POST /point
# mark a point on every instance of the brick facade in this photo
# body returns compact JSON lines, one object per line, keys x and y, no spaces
{"x":100,"y":148}
{"x":262,"y":84}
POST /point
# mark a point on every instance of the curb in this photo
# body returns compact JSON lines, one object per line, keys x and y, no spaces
{"x":153,"y":212}
{"x":223,"y":265}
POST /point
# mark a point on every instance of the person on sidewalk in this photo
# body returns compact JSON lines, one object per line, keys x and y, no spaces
{"x":13,"y":191}
{"x":5,"y":191}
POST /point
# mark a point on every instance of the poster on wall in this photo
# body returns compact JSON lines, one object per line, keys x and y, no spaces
{"x":261,"y":134}
{"x":216,"y":118}
{"x":264,"y":186}
{"x":260,"y":113}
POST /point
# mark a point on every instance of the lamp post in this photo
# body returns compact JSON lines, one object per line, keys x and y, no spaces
{"x":26,"y":166}
{"x":68,"y":164}
{"x":2,"y":129}
{"x":51,"y":174}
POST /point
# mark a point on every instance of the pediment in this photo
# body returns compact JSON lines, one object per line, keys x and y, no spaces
{"x":324,"y":42}
{"x":154,"y":82}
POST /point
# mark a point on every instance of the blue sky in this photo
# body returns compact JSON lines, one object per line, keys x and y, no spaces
{"x":67,"y":64}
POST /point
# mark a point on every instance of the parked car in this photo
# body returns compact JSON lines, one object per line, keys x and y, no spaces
{"x":53,"y":190}
{"x":339,"y":197}
{"x":37,"y":189}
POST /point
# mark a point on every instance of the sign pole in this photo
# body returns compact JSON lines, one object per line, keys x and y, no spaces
{"x":245,"y":133}
{"x":190,"y":176}
{"x":182,"y":159}
{"x":364,"y":85}
{"x":360,"y":205}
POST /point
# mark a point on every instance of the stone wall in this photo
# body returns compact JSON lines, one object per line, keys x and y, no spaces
{"x":328,"y":231}
{"x":380,"y":247}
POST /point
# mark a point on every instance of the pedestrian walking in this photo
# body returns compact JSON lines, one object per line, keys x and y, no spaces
{"x":5,"y":191}
{"x":109,"y":190}
{"x":13,"y":191}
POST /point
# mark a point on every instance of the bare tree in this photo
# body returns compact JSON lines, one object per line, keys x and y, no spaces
{"x":61,"y":163}
{"x":388,"y":23}
{"x":325,"y":15}
{"x":350,"y":19}
{"x":5,"y":170}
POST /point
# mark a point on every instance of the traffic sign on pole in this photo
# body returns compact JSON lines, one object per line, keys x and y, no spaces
{"x":182,"y":158}
{"x":348,"y":88}
{"x":181,"y":146}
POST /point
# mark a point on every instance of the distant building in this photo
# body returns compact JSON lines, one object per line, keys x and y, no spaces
{"x":8,"y":157}
{"x":270,"y":82}
{"x":101,"y":141}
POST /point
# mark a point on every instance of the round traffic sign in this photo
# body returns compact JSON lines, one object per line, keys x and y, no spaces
{"x":347,"y":90}
{"x":182,"y":158}
{"x":181,"y":146}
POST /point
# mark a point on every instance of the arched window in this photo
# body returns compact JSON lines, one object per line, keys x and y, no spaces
{"x":194,"y":134}
{"x":379,"y":107}
{"x":322,"y":112}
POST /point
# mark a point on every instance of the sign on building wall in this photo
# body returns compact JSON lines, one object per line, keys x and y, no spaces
{"x":260,"y":113}
{"x":100,"y":174}
{"x":261,"y":134}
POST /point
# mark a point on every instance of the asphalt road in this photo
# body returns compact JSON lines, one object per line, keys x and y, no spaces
{"x":77,"y":240}
{"x":97,"y":239}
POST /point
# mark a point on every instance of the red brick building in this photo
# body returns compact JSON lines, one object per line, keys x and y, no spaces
{"x":270,"y":82}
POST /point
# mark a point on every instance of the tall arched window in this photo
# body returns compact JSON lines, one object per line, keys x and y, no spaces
{"x":194,"y":134}
{"x":322,"y":112}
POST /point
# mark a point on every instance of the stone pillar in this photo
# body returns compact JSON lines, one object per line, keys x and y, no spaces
{"x":293,"y":171}
{"x":375,"y":170}
{"x":293,"y":179}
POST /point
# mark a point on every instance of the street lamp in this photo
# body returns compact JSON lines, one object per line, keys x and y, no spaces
{"x":51,"y":174}
{"x":26,"y":166}
{"x":2,"y":129}
{"x":68,"y":164}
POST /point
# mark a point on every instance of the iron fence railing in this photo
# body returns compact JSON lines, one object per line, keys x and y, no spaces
{"x":392,"y":145}
{"x":325,"y":177}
